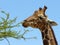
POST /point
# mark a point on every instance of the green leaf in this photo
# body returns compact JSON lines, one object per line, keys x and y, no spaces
{"x":3,"y":19}
{"x":3,"y":11}
{"x":12,"y":21}
{"x":7,"y":16}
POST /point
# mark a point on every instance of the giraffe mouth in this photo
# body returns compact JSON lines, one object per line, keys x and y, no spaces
{"x":26,"y":23}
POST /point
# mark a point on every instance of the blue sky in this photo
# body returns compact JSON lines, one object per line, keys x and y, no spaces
{"x":25,"y":8}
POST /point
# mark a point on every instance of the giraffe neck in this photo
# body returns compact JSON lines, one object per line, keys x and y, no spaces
{"x":48,"y":36}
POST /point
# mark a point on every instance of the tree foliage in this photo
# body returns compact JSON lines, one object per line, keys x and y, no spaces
{"x":6,"y":28}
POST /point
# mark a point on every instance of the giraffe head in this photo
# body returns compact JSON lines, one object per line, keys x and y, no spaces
{"x":38,"y":19}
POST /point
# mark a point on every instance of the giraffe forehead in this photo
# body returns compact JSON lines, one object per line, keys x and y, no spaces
{"x":41,"y":15}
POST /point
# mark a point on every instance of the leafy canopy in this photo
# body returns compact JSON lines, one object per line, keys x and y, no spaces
{"x":6,"y":28}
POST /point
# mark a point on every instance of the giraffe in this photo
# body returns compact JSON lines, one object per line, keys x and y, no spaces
{"x":40,"y":20}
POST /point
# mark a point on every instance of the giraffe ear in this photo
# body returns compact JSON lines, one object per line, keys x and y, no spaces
{"x":52,"y":23}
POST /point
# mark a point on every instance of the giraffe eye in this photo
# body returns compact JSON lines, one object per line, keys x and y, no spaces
{"x":40,"y":17}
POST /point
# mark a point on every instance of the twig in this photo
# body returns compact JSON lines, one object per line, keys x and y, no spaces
{"x":7,"y":40}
